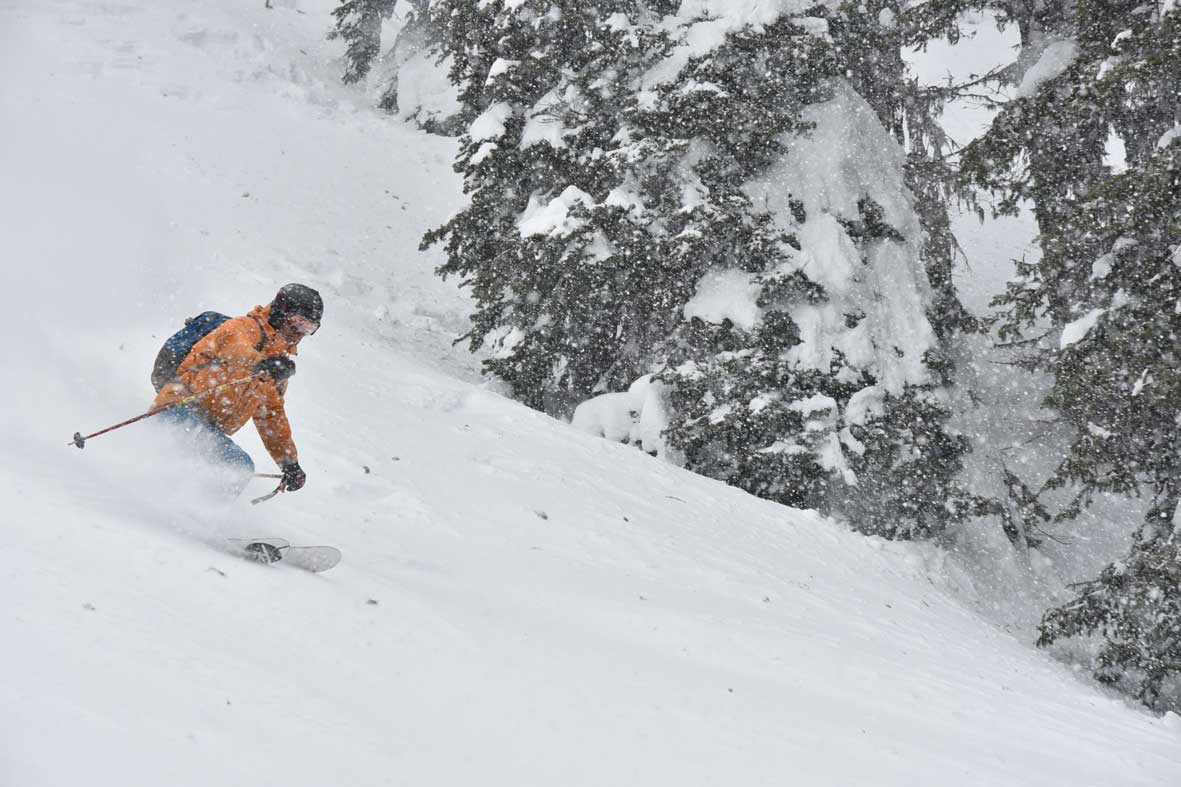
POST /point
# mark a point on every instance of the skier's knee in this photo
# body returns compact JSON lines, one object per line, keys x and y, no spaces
{"x":246,"y":462}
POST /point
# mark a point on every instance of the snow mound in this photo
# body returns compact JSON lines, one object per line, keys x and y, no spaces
{"x":637,"y":417}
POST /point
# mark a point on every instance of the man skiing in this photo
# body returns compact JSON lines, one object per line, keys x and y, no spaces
{"x":253,"y":354}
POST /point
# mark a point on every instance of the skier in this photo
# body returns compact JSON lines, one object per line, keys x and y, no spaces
{"x":258,"y":346}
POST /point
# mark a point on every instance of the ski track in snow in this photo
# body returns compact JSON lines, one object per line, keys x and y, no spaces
{"x":519,"y":603}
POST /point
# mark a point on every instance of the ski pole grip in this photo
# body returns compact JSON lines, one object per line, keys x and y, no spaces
{"x":79,"y":440}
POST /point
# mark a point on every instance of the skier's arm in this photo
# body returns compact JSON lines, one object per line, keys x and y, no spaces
{"x":225,"y":353}
{"x":271,"y":421}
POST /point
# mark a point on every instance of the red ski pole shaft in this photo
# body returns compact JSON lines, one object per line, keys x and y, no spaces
{"x":80,"y":440}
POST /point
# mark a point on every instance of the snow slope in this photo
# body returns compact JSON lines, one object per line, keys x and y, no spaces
{"x":520,"y":604}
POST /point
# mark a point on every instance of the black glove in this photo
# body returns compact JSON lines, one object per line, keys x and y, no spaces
{"x":293,"y":476}
{"x":279,"y":367}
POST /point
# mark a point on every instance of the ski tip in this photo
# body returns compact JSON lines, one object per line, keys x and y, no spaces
{"x":314,"y":558}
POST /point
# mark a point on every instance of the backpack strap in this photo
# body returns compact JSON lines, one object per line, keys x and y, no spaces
{"x":262,"y":340}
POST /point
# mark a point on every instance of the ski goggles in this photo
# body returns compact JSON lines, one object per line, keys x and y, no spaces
{"x":302,"y":325}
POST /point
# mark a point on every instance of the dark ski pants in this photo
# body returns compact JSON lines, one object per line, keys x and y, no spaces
{"x":213,"y":445}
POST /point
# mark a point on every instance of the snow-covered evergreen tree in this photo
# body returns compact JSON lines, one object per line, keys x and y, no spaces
{"x":699,"y":188}
{"x":807,"y":370}
{"x":358,"y":22}
{"x":1117,"y":381}
{"x":913,"y":113}
{"x":1044,"y":149}
{"x":567,"y":272}
{"x":407,"y":78}
{"x":416,"y":39}
{"x":1110,"y":279}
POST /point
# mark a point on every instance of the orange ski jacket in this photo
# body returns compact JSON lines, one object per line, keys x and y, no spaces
{"x":231,"y":352}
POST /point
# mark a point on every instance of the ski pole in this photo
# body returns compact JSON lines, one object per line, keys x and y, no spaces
{"x":282,"y":487}
{"x":80,"y":441}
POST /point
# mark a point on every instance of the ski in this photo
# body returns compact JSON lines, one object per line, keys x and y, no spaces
{"x":275,"y":550}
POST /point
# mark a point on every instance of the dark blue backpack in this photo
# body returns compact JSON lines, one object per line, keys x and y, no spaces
{"x":180,"y":344}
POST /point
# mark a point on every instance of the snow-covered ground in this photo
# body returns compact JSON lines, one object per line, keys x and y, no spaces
{"x":519,"y":603}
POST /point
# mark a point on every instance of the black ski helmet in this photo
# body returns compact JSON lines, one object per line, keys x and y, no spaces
{"x":295,"y":299}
